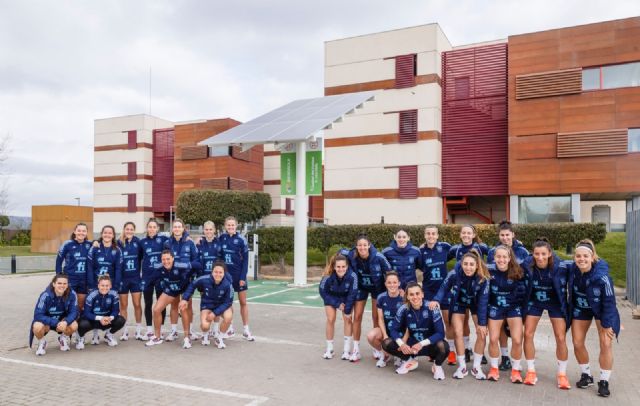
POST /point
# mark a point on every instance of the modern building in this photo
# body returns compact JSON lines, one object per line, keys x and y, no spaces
{"x":53,"y":225}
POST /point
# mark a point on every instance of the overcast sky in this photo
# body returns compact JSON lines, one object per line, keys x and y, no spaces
{"x":65,"y":63}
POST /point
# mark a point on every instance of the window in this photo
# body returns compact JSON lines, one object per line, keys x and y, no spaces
{"x":634,"y":140}
{"x":220,"y":151}
{"x":611,"y":76}
{"x":408,"y":182}
{"x":132,"y":139}
{"x":408,"y":131}
{"x":545,"y":209}
{"x":131,"y":203}
{"x":132,"y":168}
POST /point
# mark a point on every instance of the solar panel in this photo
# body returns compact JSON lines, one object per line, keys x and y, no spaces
{"x":295,"y":121}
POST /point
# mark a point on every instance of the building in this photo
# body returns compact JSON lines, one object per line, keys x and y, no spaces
{"x":53,"y":225}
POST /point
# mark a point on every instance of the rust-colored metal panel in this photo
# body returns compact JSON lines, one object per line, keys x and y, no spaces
{"x":474,"y":121}
{"x":405,"y":71}
{"x":545,"y":84}
{"x":408,"y":126}
{"x":592,"y":143}
{"x":214,"y":183}
{"x":194,"y":152}
{"x":408,"y":182}
{"x":163,"y":170}
{"x":52,"y":225}
{"x":378,"y":85}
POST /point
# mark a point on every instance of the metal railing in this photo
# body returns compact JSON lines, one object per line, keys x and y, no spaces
{"x":26,"y":264}
{"x":633,"y":257}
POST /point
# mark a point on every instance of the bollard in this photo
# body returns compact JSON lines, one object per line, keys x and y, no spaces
{"x":13,"y":263}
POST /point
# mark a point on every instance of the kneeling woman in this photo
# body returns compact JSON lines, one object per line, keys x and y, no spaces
{"x":387,"y":304}
{"x":57,"y":309}
{"x":468,"y":286}
{"x":101,"y":312}
{"x":591,"y":297}
{"x":216,"y":300}
{"x":417,"y":331}
{"x":338,"y":288}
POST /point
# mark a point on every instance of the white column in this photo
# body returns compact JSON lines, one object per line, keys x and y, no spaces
{"x":301,"y":220}
{"x":513,"y":209}
{"x":575,"y":207}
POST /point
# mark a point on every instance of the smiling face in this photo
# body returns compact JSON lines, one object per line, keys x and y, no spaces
{"x":209,"y":230}
{"x":362,"y":245}
{"x":80,"y":232}
{"x":402,"y":238}
{"x":502,"y":259}
{"x":129,"y":231}
{"x":583,"y":259}
{"x":341,"y":267}
{"x":230,"y":226}
{"x":541,"y":255}
{"x":107,"y":235}
{"x":104,"y":286}
{"x":177,"y":229}
{"x":431,"y":236}
{"x":506,"y":237}
{"x":167,"y":261}
{"x":467,"y":235}
{"x":152,"y":229}
{"x":60,"y":286}
{"x":415,"y":296}
{"x":469,"y":266}
{"x":392,"y":283}
{"x":218,"y":273}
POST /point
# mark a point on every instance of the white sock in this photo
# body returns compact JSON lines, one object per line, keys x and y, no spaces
{"x":562,"y":367}
{"x":149,"y":329}
{"x":515,"y":364}
{"x":452,"y":345}
{"x":437,"y":368}
{"x":585,"y":369}
{"x":605,"y":374}
{"x":461,"y":362}
{"x":347,"y":343}
{"x":329,"y":345}
{"x":477,"y":360}
{"x":467,"y":345}
{"x":216,"y":327}
{"x":504,"y":351}
{"x":356,"y":346}
{"x":245,"y":327}
{"x":494,"y":362}
{"x":531,"y":365}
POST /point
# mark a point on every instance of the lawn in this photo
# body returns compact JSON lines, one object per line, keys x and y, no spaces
{"x":20,"y":251}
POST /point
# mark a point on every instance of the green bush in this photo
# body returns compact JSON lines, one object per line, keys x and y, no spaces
{"x":20,"y":239}
{"x":197,"y":206}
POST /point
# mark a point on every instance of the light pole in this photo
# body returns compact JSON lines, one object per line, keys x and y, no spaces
{"x":78,"y":199}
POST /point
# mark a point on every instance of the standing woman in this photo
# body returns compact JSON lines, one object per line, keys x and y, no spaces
{"x":105,"y":258}
{"x":338,"y":289}
{"x":387,"y":305}
{"x":152,"y":246}
{"x":547,"y":290}
{"x":102,"y":312}
{"x":468,"y":287}
{"x":209,"y":250}
{"x":131,"y":249}
{"x":370,"y":266}
{"x":591,"y":296}
{"x":404,"y":258}
{"x":73,"y":254}
{"x":235,"y":254}
{"x":56,"y":309}
{"x":507,"y":299}
{"x":187,"y":260}
{"x":417,"y":331}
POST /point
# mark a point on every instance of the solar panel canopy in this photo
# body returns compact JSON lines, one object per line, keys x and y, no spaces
{"x":293,"y":122}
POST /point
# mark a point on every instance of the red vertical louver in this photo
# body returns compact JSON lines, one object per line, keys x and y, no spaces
{"x":408,"y":130}
{"x":405,"y":71}
{"x":132,"y":139}
{"x":474,"y":121}
{"x":162,"y":170}
{"x":132,"y":168}
{"x":131,"y":203}
{"x":408,"y":182}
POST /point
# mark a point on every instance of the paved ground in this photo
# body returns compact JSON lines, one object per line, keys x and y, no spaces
{"x":283,"y":367}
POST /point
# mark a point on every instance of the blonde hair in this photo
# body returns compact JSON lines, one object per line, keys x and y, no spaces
{"x":331,"y":266}
{"x":482,"y":272}
{"x":587,"y":243}
{"x":122,"y":238}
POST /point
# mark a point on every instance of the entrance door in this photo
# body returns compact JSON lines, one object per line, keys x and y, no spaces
{"x":601,"y":214}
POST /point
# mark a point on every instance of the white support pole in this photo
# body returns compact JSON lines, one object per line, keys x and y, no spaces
{"x":301,"y":220}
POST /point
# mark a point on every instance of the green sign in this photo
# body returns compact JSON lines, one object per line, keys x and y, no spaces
{"x":288,"y":173}
{"x":314,"y":169}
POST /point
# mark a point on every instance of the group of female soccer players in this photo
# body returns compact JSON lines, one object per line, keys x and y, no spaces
{"x":505,"y":290}
{"x":93,"y":281}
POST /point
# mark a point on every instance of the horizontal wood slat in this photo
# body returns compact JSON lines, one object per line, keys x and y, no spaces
{"x":121,"y":146}
{"x":195,"y":152}
{"x":377,"y":139}
{"x":121,"y":209}
{"x":378,"y":193}
{"x":238,"y":184}
{"x":214,"y":183}
{"x":553,"y":83}
{"x":592,"y":143}
{"x":379,"y":85}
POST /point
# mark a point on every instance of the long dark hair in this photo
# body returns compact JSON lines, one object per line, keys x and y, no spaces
{"x":67,"y":291}
{"x":542,"y":242}
{"x":362,"y":237}
{"x":73,"y":234}
{"x":514,"y":272}
{"x":475,"y":239}
{"x":113,"y":242}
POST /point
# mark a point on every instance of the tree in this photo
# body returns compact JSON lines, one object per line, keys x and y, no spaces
{"x":4,"y":186}
{"x":197,"y":206}
{"x":4,"y":221}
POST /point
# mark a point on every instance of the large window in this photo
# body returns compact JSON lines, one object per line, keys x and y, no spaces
{"x":545,"y":209}
{"x":634,"y":140}
{"x":611,"y":77}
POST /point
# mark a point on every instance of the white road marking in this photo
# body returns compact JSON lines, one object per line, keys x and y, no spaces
{"x":295,"y":302}
{"x":313,"y":297}
{"x":275,"y":293}
{"x":254,"y":400}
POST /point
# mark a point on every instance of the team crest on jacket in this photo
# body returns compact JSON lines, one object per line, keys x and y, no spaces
{"x":439,"y":248}
{"x":235,"y":242}
{"x":126,"y":253}
{"x":100,"y":259}
{"x":108,"y":300}
{"x":159,"y":240}
{"x":425,"y":313}
{"x":596,"y":291}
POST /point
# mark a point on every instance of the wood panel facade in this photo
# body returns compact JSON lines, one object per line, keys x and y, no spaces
{"x":541,"y":162}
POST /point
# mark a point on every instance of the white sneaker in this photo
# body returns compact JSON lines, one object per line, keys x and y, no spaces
{"x":95,"y":339}
{"x":205,"y":339}
{"x":64,"y":342}
{"x":220,"y":343}
{"x":355,"y":356}
{"x":382,"y":362}
{"x":328,"y":354}
{"x":478,"y":374}
{"x":194,"y":336}
{"x":173,"y":336}
{"x":345,"y":355}
{"x":407,"y":366}
{"x":125,"y":335}
{"x":248,"y":336}
{"x":186,"y":343}
{"x":139,"y":336}
{"x":110,"y":339}
{"x":377,"y":354}
{"x":438,"y":373}
{"x":42,"y":347}
{"x":153,"y":341}
{"x":80,"y":343}
{"x":147,"y":336}
{"x":460,"y":373}
{"x":230,"y":332}
{"x":75,"y":337}
{"x":397,"y":362}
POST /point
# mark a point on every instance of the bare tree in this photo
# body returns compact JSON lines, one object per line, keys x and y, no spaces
{"x":5,"y":143}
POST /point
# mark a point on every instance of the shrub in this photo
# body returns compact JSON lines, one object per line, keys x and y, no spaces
{"x":197,"y":206}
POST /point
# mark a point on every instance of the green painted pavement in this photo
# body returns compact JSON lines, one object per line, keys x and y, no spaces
{"x":279,"y":293}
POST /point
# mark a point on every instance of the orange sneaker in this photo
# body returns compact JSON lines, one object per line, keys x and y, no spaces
{"x":452,"y":360}
{"x":516,"y":376}
{"x":531,"y":378}
{"x":494,"y":374}
{"x":563,"y":382}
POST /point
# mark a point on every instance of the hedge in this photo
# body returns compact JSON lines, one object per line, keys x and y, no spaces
{"x":197,"y":206}
{"x":279,"y":240}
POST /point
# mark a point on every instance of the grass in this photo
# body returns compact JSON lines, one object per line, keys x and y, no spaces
{"x":20,"y":251}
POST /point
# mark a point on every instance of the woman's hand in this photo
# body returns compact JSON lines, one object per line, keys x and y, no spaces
{"x":182,"y":305}
{"x":608,"y":332}
{"x":433,"y":305}
{"x":416,"y":348}
{"x":61,"y":326}
{"x":482,"y":331}
{"x":406,"y":349}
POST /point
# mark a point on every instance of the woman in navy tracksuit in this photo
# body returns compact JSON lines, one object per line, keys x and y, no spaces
{"x":186,"y":259}
{"x":547,"y":290}
{"x":73,"y":254}
{"x":338,"y":289}
{"x":468,"y":288}
{"x":507,"y":298}
{"x":216,"y":300}
{"x":591,"y":296}
{"x":101,"y":312}
{"x":131,"y":249}
{"x":404,"y":258}
{"x":387,"y":305}
{"x":104,"y":258}
{"x":417,"y":330}
{"x":56,"y":309}
{"x":370,"y":266}
{"x":152,"y":246}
